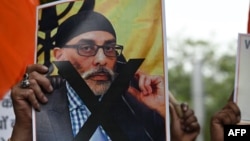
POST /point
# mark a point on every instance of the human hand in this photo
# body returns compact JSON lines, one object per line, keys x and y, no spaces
{"x":151,"y":92}
{"x":185,"y":128}
{"x":230,"y":114}
{"x":25,"y":98}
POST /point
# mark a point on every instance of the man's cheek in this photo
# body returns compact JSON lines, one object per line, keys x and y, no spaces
{"x":76,"y":65}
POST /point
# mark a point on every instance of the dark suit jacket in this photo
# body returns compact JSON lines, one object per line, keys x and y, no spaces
{"x":137,"y":122}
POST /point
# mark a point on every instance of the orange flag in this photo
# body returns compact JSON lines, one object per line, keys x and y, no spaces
{"x":17,"y":40}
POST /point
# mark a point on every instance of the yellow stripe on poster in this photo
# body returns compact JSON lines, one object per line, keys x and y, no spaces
{"x":138,"y":25}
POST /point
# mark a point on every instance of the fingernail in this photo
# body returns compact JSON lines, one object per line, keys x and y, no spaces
{"x":45,"y":67}
{"x":184,"y":106}
{"x":45,"y":99}
{"x":50,"y":88}
{"x":37,"y":107}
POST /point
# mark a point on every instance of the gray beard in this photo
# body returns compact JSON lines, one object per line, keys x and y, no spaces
{"x":98,"y":87}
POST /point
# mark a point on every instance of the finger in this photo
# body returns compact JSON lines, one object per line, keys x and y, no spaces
{"x":173,"y":113}
{"x":194,"y":126}
{"x":37,"y":91}
{"x":134,"y":92}
{"x":172,"y":99}
{"x":184,"y":107}
{"x":189,"y":120}
{"x":147,"y":85}
{"x":41,"y":80}
{"x":25,"y":95}
{"x":233,"y":106}
{"x":142,"y":79}
{"x":188,"y":116}
{"x":32,"y":99}
{"x":225,"y":117}
{"x":232,"y":118}
{"x":37,"y":67}
{"x":233,"y":111}
{"x":188,"y":113}
{"x":217,"y":118}
{"x":151,"y":84}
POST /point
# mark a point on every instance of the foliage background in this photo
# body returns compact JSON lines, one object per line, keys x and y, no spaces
{"x":217,"y":69}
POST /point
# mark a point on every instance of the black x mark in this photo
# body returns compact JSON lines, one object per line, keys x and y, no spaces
{"x":98,"y":109}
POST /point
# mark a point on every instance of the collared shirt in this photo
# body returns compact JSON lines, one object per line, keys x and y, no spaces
{"x":79,"y":112}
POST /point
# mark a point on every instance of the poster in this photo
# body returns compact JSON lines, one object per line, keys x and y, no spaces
{"x":242,"y":77}
{"x":130,"y":40}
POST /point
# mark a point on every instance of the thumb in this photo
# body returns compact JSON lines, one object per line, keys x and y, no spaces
{"x":173,"y":114}
{"x":134,"y":92}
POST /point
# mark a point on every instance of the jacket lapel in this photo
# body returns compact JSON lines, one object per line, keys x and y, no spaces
{"x":59,"y":116}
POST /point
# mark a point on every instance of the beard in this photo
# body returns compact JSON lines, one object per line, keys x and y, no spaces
{"x":99,"y":87}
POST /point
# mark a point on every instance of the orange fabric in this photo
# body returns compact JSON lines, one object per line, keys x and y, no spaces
{"x":17,"y":39}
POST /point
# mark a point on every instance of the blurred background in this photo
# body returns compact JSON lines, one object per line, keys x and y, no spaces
{"x":201,"y":47}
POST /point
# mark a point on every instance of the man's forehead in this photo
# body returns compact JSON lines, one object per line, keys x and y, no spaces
{"x":93,"y":37}
{"x":93,"y":41}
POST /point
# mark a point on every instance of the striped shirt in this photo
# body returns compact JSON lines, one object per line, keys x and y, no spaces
{"x":79,"y":112}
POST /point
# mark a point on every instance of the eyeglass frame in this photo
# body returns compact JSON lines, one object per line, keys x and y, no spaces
{"x":77,"y":46}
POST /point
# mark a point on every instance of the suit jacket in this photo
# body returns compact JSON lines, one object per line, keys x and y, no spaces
{"x":137,"y":122}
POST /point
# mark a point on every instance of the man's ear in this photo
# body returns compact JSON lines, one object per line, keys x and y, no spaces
{"x":57,"y":52}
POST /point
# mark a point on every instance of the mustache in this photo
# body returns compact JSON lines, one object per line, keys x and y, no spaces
{"x":88,"y":74}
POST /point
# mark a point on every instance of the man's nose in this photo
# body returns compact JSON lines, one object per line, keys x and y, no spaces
{"x":100,"y":57}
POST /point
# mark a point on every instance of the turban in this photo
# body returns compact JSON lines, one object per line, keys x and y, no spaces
{"x":82,"y":22}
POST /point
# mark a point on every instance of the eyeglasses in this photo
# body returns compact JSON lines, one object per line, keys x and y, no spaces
{"x":91,"y":50}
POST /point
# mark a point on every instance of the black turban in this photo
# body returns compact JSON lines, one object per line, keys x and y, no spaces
{"x":82,"y":22}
